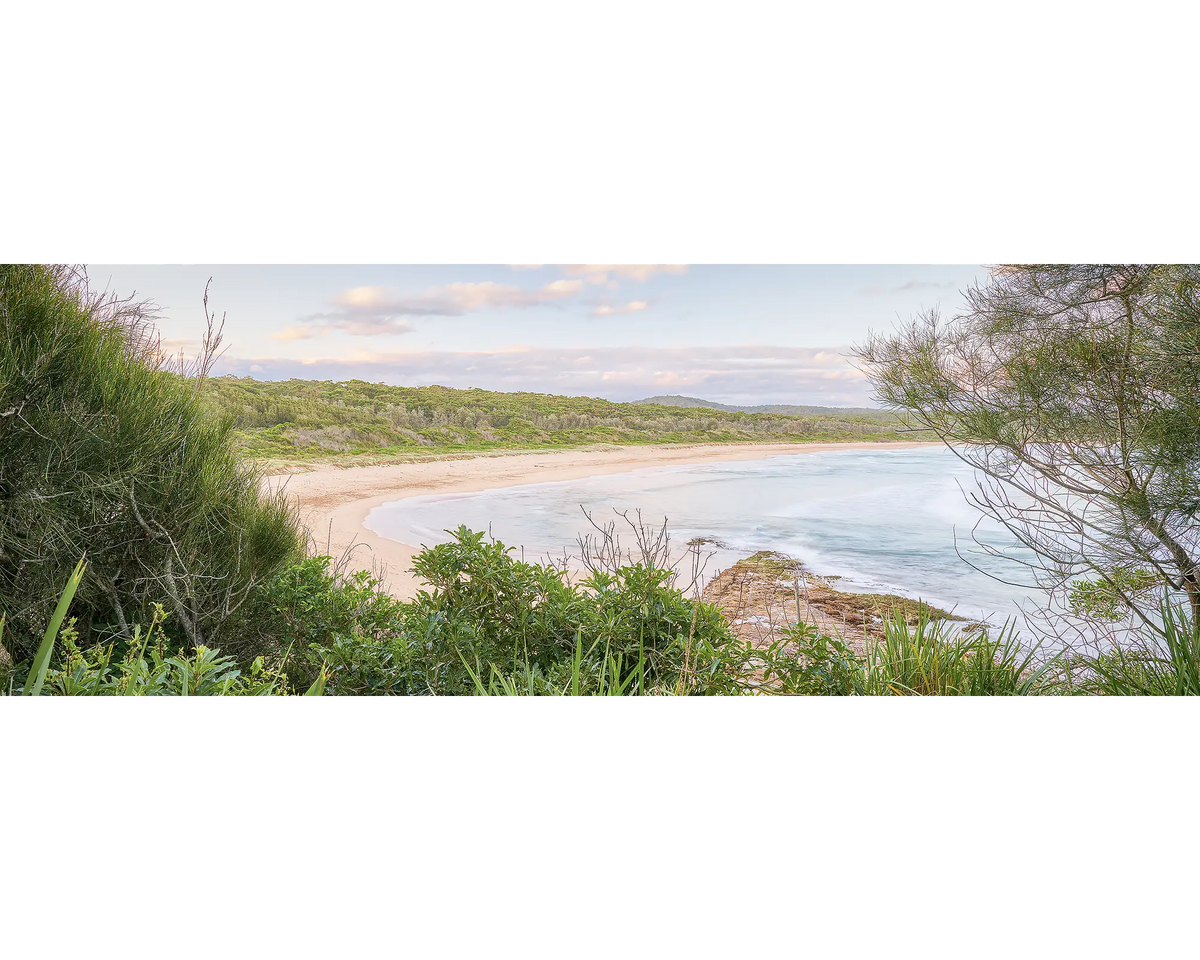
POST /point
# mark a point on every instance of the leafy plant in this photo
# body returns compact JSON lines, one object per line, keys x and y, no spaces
{"x":931,"y":659}
{"x":310,"y":603}
{"x":1104,"y":598}
{"x":146,"y":669}
{"x":490,"y":618}
{"x":820,"y":665}
{"x":41,"y":660}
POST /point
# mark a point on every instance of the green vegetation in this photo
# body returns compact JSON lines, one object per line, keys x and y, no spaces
{"x":1161,"y":663}
{"x":775,"y":564}
{"x":104,"y":455}
{"x":193,"y":582}
{"x":303,"y":420}
{"x":1072,"y":389}
{"x":521,"y":626}
{"x":492,"y":625}
{"x":492,"y":616}
{"x":1107,"y":598}
{"x":924,"y":658}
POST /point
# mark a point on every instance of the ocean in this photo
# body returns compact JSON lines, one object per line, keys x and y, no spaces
{"x":885,"y":521}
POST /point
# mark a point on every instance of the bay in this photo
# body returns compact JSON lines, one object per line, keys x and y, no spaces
{"x":886,"y":521}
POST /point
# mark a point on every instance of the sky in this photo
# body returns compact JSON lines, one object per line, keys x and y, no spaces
{"x":734,"y":334}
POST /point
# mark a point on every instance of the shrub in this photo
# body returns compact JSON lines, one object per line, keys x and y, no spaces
{"x":104,"y":454}
{"x":485,"y":607}
{"x":309,"y":604}
{"x":145,"y":669}
{"x":493,"y":622}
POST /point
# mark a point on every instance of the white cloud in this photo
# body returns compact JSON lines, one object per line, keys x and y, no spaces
{"x":562,"y":288}
{"x":372,"y":311}
{"x":610,"y":310}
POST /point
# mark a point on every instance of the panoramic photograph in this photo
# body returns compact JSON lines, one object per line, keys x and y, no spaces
{"x":600,"y":480}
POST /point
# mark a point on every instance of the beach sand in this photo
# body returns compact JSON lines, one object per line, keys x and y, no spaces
{"x":333,"y":501}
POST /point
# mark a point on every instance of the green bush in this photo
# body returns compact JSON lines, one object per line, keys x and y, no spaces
{"x":485,"y":607}
{"x":104,"y":455}
{"x":1104,"y":597}
{"x":310,"y":605}
{"x":493,"y":622}
{"x":145,"y":669}
{"x":491,"y":625}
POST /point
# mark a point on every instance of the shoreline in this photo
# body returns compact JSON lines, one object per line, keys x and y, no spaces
{"x":334,"y":501}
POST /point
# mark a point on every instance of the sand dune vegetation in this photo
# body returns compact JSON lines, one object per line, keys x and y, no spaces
{"x":357,"y":422}
{"x":105,"y":456}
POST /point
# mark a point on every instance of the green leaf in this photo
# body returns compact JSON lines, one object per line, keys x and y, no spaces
{"x":318,"y":687}
{"x":41,"y":661}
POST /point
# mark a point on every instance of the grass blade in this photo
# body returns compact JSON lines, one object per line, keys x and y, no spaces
{"x":41,"y":662}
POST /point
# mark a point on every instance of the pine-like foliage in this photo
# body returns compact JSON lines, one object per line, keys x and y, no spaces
{"x":106,"y":455}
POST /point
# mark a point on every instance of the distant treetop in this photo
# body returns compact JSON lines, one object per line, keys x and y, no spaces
{"x":786,"y":409}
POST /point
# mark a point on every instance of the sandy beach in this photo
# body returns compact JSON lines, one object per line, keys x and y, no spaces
{"x":333,"y":501}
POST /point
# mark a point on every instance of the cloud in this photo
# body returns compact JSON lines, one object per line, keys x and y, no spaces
{"x":452,"y":300}
{"x":562,"y":288}
{"x":372,"y":311}
{"x":745,"y":375}
{"x":612,"y":310}
{"x":172,"y":347}
{"x":598,"y":273}
{"x":298,"y":333}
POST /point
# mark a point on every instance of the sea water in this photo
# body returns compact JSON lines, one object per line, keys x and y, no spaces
{"x":885,"y":521}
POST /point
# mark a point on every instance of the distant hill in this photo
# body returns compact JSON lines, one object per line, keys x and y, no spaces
{"x":784,"y":409}
{"x":311,"y":420}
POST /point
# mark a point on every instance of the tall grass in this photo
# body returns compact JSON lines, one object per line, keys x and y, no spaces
{"x":1165,"y":663}
{"x":105,"y":454}
{"x":930,"y":658}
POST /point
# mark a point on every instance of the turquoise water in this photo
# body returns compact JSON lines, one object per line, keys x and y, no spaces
{"x":885,"y":521}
